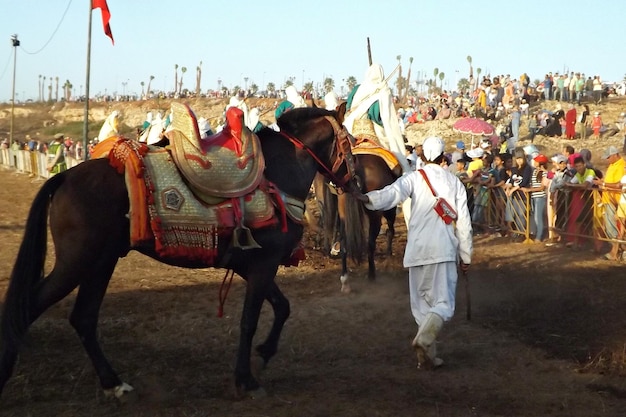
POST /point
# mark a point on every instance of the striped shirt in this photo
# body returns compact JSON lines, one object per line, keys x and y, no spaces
{"x":536,"y":182}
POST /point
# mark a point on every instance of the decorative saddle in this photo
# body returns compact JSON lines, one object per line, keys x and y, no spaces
{"x":187,"y":197}
{"x":225,"y":165}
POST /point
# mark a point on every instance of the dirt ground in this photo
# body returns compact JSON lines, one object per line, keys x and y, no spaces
{"x":547,"y":338}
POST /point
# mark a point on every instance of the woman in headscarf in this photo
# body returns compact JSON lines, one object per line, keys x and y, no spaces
{"x":570,"y":122}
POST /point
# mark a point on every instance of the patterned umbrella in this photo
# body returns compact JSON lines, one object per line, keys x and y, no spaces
{"x":473,"y":126}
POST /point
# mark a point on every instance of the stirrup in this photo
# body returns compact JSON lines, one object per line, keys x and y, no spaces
{"x":248,"y":240}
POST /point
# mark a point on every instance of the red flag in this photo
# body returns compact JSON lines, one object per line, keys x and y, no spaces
{"x":106,"y":16}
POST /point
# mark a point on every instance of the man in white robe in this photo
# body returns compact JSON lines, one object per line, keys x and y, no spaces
{"x":433,"y":247}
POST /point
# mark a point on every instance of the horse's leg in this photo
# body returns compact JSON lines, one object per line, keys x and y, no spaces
{"x":84,"y":319}
{"x":344,"y":278}
{"x":390,"y":216}
{"x":280,"y":305}
{"x":375,"y":220}
{"x":258,"y":283}
{"x":50,"y":290}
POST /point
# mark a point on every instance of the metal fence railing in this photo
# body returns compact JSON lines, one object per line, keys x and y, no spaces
{"x":30,"y":162}
{"x":577,"y":218}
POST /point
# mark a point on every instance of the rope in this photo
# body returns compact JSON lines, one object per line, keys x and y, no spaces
{"x":7,"y":64}
{"x":224,"y":288}
{"x":53,"y":33}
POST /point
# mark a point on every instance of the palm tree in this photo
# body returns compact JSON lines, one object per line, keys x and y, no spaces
{"x":408,"y":77}
{"x":308,"y":87}
{"x":471,"y":73}
{"x":149,"y":82}
{"x":67,"y":90}
{"x":400,"y":85}
{"x":271,"y":87}
{"x":198,"y":78}
{"x":288,"y":82}
{"x":478,"y":71}
{"x":254,"y":88}
{"x":442,"y":75}
{"x":50,"y":90}
{"x":39,"y":88}
{"x":183,"y":70}
{"x":142,"y":89}
{"x":351,"y":83}
{"x":329,"y":84}
{"x":175,"y":77}
{"x":56,"y":88}
{"x":463,"y":85}
{"x":436,"y":72}
{"x":43,"y":85}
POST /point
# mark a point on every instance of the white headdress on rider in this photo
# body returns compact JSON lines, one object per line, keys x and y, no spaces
{"x":109,"y":128}
{"x":293,"y":97}
{"x":374,"y":88}
{"x":331,"y":101}
{"x":204,"y":128}
{"x":253,"y":118}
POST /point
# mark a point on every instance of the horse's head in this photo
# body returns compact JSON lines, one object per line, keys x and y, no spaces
{"x":320,"y":132}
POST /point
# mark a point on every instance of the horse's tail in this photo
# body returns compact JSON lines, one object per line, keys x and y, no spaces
{"x":28,"y":268}
{"x":354,"y":229}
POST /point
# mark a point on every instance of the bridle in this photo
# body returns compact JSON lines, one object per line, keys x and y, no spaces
{"x":342,"y":151}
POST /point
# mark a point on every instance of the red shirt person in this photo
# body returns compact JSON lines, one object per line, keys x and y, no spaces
{"x":570,"y":122}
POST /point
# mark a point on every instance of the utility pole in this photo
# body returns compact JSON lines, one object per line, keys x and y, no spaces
{"x":16,"y":43}
{"x":86,"y":111}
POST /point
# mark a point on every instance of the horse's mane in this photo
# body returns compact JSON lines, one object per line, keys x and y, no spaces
{"x":292,"y":119}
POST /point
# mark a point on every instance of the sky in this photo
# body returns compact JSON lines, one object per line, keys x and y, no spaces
{"x":270,"y":41}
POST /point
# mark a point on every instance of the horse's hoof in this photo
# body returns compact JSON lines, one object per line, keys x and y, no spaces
{"x":257,"y":365}
{"x":256,"y":394}
{"x":124,"y":393}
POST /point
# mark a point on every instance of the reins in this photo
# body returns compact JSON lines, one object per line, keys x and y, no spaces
{"x":344,"y":152}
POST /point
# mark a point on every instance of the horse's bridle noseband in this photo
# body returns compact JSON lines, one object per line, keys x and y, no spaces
{"x":342,"y":148}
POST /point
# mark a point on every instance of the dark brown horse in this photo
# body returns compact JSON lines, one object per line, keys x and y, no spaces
{"x":88,"y":210}
{"x":354,"y":219}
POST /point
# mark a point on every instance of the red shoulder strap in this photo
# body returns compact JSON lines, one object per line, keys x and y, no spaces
{"x":432,"y":190}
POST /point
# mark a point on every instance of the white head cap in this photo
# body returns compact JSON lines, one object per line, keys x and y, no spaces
{"x":432,"y":147}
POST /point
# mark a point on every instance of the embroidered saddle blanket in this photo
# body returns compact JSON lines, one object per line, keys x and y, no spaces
{"x":164,"y":209}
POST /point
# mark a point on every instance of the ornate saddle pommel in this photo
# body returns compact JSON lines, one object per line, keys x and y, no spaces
{"x":235,"y":128}
{"x":227,"y":164}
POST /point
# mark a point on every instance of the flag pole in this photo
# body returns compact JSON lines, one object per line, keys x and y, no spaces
{"x":88,"y":69}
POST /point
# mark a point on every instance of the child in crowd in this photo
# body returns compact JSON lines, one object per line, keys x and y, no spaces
{"x":483,"y":181}
{"x":538,"y":196}
{"x":596,"y":125}
{"x":502,"y":173}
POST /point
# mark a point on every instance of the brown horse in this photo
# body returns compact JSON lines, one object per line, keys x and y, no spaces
{"x":374,"y":174}
{"x":88,"y":210}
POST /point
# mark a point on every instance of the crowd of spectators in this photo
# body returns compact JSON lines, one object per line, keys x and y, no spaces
{"x":557,"y":200}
